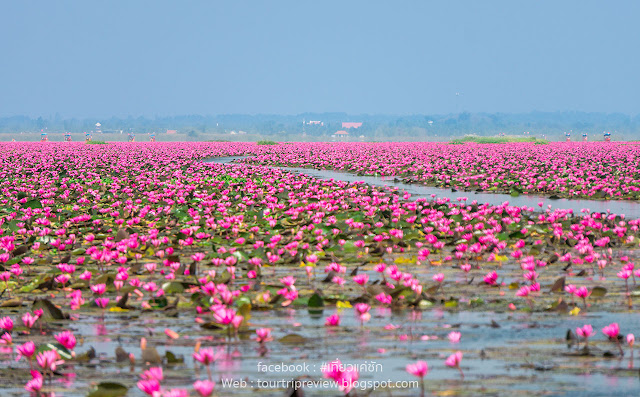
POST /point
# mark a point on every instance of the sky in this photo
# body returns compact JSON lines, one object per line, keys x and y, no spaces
{"x":163,"y":58}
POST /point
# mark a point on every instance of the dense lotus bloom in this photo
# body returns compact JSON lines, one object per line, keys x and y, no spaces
{"x":6,"y":323}
{"x":66,"y":339}
{"x":438,"y":278}
{"x":204,"y":388}
{"x":263,"y":335}
{"x":332,"y":321}
{"x":419,"y":369}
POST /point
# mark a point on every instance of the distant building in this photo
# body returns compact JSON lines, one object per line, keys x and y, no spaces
{"x":315,"y":122}
{"x":98,"y":128}
{"x":347,"y":125}
{"x":340,"y":135}
{"x":172,"y":131}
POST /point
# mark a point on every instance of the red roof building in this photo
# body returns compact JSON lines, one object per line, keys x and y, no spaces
{"x":172,"y":131}
{"x":348,"y":125}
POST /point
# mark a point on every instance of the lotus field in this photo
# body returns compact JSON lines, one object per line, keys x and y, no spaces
{"x":145,"y":269}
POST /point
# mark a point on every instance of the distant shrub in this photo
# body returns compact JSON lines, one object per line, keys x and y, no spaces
{"x":97,"y":143}
{"x":497,"y":139}
{"x":267,"y":143}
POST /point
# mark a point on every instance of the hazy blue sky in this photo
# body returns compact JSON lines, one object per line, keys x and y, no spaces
{"x":89,"y":58}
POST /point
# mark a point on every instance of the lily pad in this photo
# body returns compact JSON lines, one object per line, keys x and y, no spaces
{"x":108,"y":389}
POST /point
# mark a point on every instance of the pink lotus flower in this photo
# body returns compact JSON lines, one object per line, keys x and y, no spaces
{"x":150,"y":387}
{"x":491,"y":278}
{"x":99,"y":289}
{"x":332,"y":321}
{"x":6,"y":323}
{"x":153,"y":373}
{"x":102,"y":302}
{"x":363,"y":311}
{"x":35,"y":384}
{"x":585,"y":331}
{"x":29,"y":320}
{"x":345,"y":379}
{"x":27,"y":349}
{"x":419,"y":369}
{"x":224,"y":316}
{"x":48,"y":360}
{"x":384,"y":298}
{"x":612,"y":330}
{"x":454,"y":337}
{"x":454,"y":361}
{"x":66,"y":339}
{"x":205,"y":356}
{"x":204,"y":388}
{"x":263,"y":335}
{"x":361,"y":279}
{"x":288,"y":281}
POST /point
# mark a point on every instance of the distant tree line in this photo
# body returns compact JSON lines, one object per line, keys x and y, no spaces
{"x":374,"y":127}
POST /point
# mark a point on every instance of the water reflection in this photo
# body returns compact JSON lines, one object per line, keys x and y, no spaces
{"x":630,"y":209}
